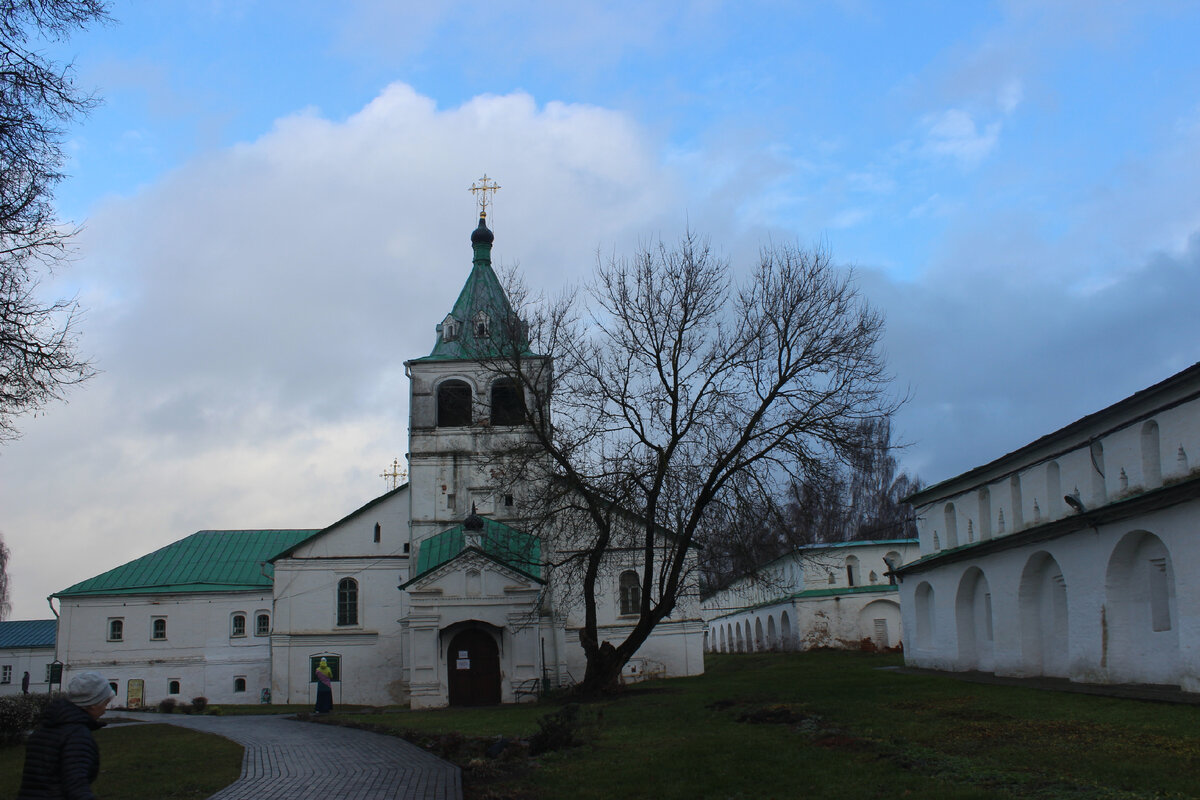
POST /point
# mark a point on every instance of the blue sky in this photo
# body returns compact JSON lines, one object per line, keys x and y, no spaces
{"x":276,"y":216}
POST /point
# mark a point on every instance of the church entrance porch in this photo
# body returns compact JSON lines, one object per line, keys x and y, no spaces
{"x":473,"y":667}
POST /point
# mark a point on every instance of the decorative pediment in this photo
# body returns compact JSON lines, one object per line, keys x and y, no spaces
{"x":472,"y":573}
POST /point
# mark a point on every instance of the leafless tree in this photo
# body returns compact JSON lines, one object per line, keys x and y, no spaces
{"x":5,"y":606}
{"x":38,"y":97}
{"x":681,"y":394}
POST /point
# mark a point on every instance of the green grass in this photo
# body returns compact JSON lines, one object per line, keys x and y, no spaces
{"x":148,"y":762}
{"x":847,"y":730}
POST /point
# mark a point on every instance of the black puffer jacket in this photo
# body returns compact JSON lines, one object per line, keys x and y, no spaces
{"x":61,"y":757}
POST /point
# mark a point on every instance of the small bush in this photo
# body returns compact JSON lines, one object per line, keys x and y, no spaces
{"x":199,"y":703}
{"x":557,"y":730}
{"x":167,"y":705}
{"x":184,"y":708}
{"x":19,"y":714}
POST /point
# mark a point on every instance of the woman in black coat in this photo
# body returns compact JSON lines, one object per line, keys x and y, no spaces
{"x":61,"y":757}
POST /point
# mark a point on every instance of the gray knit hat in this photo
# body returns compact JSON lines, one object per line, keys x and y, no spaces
{"x":89,"y":689}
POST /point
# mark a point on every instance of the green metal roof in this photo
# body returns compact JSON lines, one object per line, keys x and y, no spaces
{"x":481,"y":292}
{"x":28,"y":633}
{"x":508,"y":546}
{"x":206,"y":561}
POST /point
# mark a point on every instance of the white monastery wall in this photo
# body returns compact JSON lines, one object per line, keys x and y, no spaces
{"x":19,"y":660}
{"x":1106,"y":592}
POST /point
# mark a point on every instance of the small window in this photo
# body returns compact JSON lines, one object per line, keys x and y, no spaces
{"x":116,"y":630}
{"x":113,"y":685}
{"x":239,"y":685}
{"x":631,"y":593}
{"x":347,"y":602}
{"x":158,"y":629}
{"x":262,"y":625}
{"x":172,"y":687}
{"x":6,"y":673}
{"x":239,"y":625}
{"x":508,"y":500}
{"x":453,"y":404}
{"x":407,"y":547}
{"x":48,"y":673}
{"x":378,"y":533}
{"x":451,"y":501}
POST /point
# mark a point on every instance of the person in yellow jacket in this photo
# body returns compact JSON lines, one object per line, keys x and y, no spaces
{"x":324,"y":688}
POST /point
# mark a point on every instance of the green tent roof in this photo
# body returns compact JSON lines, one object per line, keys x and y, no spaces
{"x":481,"y":293}
{"x":206,"y":561}
{"x":508,"y":546}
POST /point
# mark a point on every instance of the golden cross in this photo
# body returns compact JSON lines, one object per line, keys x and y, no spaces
{"x":396,"y":475}
{"x":480,"y":189}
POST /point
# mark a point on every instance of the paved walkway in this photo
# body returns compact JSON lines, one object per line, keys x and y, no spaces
{"x":290,"y":760}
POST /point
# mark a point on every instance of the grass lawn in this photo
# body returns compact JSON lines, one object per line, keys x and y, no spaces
{"x":834,"y":725}
{"x":148,"y":762}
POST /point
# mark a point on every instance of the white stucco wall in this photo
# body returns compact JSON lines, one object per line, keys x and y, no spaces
{"x":199,"y":650}
{"x":1106,"y":595}
{"x":20,"y":660}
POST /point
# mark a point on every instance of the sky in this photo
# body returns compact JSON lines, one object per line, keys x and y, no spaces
{"x":275,"y":210}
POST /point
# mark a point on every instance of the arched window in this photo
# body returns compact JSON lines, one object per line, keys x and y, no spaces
{"x":508,"y":403}
{"x":158,"y":629}
{"x":453,"y":404}
{"x":262,"y":625}
{"x":239,"y":684}
{"x":378,"y":532}
{"x":172,"y":687}
{"x":347,"y":602}
{"x":1099,"y":482}
{"x":116,"y":630}
{"x":852,"y":576}
{"x":631,"y":593}
{"x":238,"y":628}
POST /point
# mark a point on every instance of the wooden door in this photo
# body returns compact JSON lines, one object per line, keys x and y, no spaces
{"x":473,"y":664}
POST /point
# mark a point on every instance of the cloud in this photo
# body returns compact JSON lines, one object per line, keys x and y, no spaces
{"x":954,"y":134}
{"x":252,"y":311}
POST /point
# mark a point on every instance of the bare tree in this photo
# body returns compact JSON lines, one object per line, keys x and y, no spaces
{"x":37,"y":99}
{"x":680,"y":396}
{"x":5,"y":606}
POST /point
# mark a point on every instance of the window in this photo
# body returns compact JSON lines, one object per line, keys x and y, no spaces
{"x":508,"y":501}
{"x":508,"y":403}
{"x":113,"y":685}
{"x":482,"y":325}
{"x":631,"y":593}
{"x":453,"y":404}
{"x":378,"y":532}
{"x":158,"y":628}
{"x":172,"y":687}
{"x":239,"y":625}
{"x":116,"y":630}
{"x":852,"y":574}
{"x":1160,"y":594}
{"x":239,"y":685}
{"x":262,"y":625}
{"x":6,"y":673}
{"x":347,"y":602}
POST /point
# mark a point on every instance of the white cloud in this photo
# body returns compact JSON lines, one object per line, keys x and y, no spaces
{"x":252,"y":310}
{"x":954,"y":134}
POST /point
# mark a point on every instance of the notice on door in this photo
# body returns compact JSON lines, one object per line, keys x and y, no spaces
{"x":463,"y":663}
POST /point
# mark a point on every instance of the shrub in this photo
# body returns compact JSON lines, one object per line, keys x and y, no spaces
{"x":166,"y":705}
{"x":557,"y":730}
{"x":199,"y":703}
{"x":184,"y":708}
{"x":19,"y":714}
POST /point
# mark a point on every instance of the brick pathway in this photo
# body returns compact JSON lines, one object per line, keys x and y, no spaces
{"x":289,"y":760}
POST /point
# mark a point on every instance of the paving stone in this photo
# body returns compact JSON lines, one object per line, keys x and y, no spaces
{"x":289,"y":760}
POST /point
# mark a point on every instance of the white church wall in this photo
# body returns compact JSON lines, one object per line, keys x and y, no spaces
{"x":19,"y":660}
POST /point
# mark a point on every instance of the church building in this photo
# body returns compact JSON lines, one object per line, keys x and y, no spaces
{"x":431,"y":594}
{"x":1071,"y":557}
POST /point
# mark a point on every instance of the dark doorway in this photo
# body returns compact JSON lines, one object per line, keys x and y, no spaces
{"x":473,"y":664}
